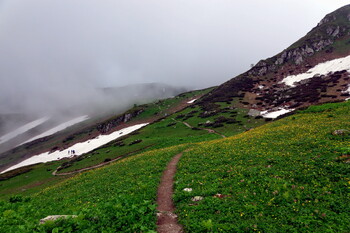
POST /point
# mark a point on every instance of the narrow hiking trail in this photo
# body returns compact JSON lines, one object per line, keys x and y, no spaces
{"x":166,"y":218}
{"x":84,"y":169}
{"x":97,"y":165}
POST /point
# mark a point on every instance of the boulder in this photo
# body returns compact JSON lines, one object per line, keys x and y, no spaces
{"x":187,"y":189}
{"x":197,"y":198}
{"x":56,"y":217}
{"x":254,"y":112}
{"x":340,"y":132}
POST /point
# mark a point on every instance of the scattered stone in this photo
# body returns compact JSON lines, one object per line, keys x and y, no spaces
{"x":219,"y":195}
{"x":254,"y":112}
{"x":56,"y":217}
{"x":164,"y":214}
{"x":197,"y":198}
{"x":341,"y":132}
{"x":187,"y":189}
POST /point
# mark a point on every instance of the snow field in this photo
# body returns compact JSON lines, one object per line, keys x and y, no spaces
{"x":191,"y":101}
{"x":22,"y":129}
{"x":275,"y":114}
{"x":79,"y":148}
{"x":59,"y":128}
{"x":320,"y":69}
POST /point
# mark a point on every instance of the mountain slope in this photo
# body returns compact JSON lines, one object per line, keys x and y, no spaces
{"x":247,"y":182}
{"x":261,"y":87}
{"x":288,"y":175}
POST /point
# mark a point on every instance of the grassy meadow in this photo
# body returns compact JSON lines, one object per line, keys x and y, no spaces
{"x":291,"y":175}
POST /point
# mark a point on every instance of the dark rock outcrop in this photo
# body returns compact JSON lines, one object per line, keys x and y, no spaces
{"x":110,"y":124}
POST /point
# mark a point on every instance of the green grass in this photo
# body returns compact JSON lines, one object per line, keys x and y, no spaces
{"x":38,"y":178}
{"x":117,"y":198}
{"x":287,"y":176}
{"x":291,"y":175}
{"x":154,"y":136}
{"x":160,"y":108}
{"x":243,"y":121}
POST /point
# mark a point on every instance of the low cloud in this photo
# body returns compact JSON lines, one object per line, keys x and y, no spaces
{"x":57,"y":54}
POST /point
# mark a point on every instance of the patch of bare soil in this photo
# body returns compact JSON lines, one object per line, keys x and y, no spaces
{"x":166,"y":218}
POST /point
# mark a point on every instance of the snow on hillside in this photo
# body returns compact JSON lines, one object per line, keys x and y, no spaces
{"x":22,"y":129}
{"x":59,"y":128}
{"x":79,"y":148}
{"x":347,"y":91}
{"x":191,"y":101}
{"x":275,"y":114}
{"x":320,"y":69}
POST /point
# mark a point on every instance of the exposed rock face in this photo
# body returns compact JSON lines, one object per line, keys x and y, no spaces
{"x":107,"y":126}
{"x":327,"y":19}
{"x":127,"y":117}
{"x":333,"y":31}
{"x":296,"y":55}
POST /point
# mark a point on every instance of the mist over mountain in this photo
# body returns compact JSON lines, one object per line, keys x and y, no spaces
{"x":57,"y":54}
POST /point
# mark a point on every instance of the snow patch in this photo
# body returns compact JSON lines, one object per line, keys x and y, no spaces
{"x":348,"y":90}
{"x":320,"y":69}
{"x":59,"y":128}
{"x":191,"y":101}
{"x":22,"y":129}
{"x":275,"y":114}
{"x":79,"y":148}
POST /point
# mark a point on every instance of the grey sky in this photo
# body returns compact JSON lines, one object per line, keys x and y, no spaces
{"x":51,"y":48}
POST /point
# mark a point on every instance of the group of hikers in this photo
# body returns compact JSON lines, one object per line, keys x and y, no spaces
{"x":71,"y":152}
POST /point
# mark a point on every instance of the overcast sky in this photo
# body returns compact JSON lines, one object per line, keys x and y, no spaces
{"x":50,"y":48}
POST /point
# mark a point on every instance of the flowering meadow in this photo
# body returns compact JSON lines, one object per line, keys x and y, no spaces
{"x":116,"y":198}
{"x":292,"y":175}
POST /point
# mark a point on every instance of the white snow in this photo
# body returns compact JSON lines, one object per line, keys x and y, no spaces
{"x":275,"y":114}
{"x":348,"y":90}
{"x":59,"y":128}
{"x":79,"y":148}
{"x":191,"y":101}
{"x":320,"y":69}
{"x":22,"y":129}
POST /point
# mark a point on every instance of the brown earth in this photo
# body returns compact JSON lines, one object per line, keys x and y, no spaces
{"x":166,"y":218}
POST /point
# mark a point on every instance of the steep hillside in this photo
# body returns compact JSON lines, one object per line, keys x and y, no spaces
{"x":240,"y":170}
{"x":102,"y":103}
{"x":289,"y":175}
{"x":176,"y":121}
{"x":263,"y":87}
{"x":99,"y":125}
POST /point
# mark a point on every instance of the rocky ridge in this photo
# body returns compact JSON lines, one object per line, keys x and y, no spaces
{"x":261,"y":88}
